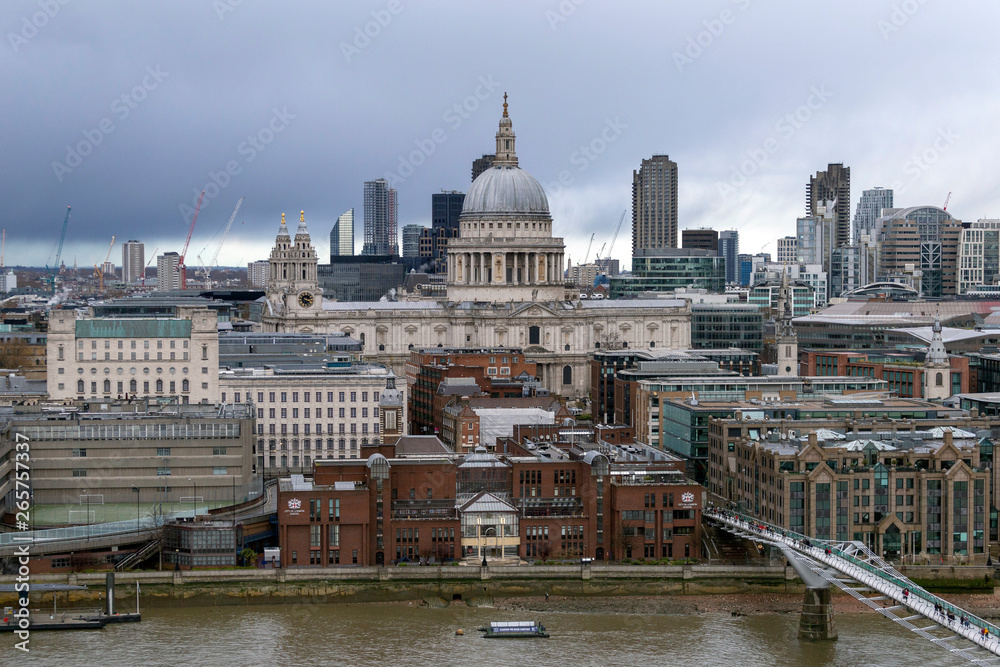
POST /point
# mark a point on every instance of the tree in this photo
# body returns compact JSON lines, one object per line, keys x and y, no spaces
{"x":623,"y":539}
{"x":611,"y":340}
{"x":248,"y":556}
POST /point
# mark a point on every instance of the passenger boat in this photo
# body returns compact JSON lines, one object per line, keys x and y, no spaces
{"x":513,"y":630}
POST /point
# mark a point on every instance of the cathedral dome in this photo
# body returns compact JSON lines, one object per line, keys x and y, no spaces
{"x":504,"y":190}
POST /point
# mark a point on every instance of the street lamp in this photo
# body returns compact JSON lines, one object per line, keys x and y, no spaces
{"x":136,"y":489}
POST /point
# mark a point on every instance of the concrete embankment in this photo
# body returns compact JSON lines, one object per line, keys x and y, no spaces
{"x":439,"y":585}
{"x":435,"y":585}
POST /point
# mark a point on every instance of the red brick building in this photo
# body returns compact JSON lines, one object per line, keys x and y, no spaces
{"x":903,"y":371}
{"x":542,"y":499}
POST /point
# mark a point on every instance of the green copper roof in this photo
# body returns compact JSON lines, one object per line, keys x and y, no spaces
{"x":137,"y":328}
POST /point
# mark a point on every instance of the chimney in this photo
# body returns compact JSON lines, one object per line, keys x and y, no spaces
{"x":812,"y":439}
{"x":947,"y":438}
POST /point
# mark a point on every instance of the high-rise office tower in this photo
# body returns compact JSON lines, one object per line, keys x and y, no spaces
{"x":446,"y":207}
{"x":832,"y":185}
{"x":168,"y":275}
{"x":788,"y":249}
{"x":729,"y":247}
{"x":411,"y":240}
{"x":700,"y":239}
{"x":654,"y":204}
{"x":481,"y":164}
{"x":870,"y":210}
{"x":381,"y":212}
{"x":342,"y":234}
{"x":133,"y":261}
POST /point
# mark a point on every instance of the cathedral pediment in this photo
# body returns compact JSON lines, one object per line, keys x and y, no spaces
{"x":533,"y":310}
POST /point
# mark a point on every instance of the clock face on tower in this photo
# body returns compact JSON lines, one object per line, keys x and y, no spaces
{"x":305,"y":299}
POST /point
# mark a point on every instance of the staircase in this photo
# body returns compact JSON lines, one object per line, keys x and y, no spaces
{"x":136,"y":557}
{"x":723,"y":547}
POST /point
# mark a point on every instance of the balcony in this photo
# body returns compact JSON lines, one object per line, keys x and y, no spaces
{"x":566,"y":506}
{"x":424,"y":509}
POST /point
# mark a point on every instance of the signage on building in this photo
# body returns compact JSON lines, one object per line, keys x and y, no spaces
{"x":687,"y":500}
{"x":294,"y":507}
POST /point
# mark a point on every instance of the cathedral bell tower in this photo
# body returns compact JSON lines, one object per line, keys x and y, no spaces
{"x":293,"y":285}
{"x":390,"y":411}
{"x":937,"y":366}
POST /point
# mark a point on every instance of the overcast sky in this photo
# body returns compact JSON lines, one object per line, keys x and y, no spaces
{"x":127,"y":110}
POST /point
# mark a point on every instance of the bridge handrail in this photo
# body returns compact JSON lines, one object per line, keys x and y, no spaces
{"x":886,"y":573}
{"x":80,"y":532}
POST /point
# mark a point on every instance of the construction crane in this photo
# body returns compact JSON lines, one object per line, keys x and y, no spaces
{"x":99,"y":270}
{"x":181,"y":267}
{"x":151,"y":258}
{"x":587,"y":254}
{"x":206,"y":270}
{"x":615,"y":237}
{"x":946,"y":200}
{"x":55,"y":266}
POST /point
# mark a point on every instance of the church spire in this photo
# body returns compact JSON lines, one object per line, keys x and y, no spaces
{"x":937,"y":355}
{"x":506,"y":156}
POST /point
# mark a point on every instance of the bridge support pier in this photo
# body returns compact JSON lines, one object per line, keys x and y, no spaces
{"x":816,"y":623}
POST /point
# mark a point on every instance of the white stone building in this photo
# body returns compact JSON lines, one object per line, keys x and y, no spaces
{"x":505,"y":288}
{"x":104,"y":358}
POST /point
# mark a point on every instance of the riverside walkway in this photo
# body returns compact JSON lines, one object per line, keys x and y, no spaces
{"x":863,"y":575}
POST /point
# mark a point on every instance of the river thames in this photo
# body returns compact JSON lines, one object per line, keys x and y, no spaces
{"x":400,"y":634}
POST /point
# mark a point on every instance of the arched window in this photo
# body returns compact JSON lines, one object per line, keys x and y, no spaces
{"x":567,"y":347}
{"x":939,"y":380}
{"x":133,"y":386}
{"x":652,"y":343}
{"x":362,"y":337}
{"x":185,"y":385}
{"x":80,"y":387}
{"x":381,"y":347}
{"x":107,"y":386}
{"x":341,"y":444}
{"x":159,"y":385}
{"x":567,"y":375}
{"x":534,"y":336}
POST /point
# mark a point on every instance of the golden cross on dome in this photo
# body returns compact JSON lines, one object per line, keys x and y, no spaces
{"x":282,"y":218}
{"x":302,"y":216}
{"x":505,"y":105}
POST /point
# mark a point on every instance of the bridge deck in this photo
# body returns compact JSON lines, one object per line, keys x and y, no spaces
{"x":831,"y":561}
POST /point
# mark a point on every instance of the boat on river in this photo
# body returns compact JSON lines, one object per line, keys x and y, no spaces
{"x":513,"y":630}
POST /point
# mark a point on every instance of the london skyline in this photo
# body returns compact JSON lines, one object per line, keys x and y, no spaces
{"x":297,"y":109}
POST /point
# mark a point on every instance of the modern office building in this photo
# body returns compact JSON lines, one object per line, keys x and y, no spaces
{"x":654,"y":205}
{"x":729,"y":250}
{"x":106,"y":357}
{"x":8,"y":281}
{"x":921,"y":243}
{"x":360,"y":277}
{"x":381,"y":214}
{"x":481,"y":164}
{"x":102,"y":452}
{"x":723,"y":325}
{"x":788,"y":250}
{"x":342,"y":234}
{"x":133,"y":261}
{"x":446,"y":207}
{"x":411,"y":240}
{"x":869,"y":210}
{"x":979,"y":254}
{"x":668,"y":269}
{"x":921,"y":489}
{"x":168,"y":275}
{"x":765,"y":295}
{"x":832,"y":185}
{"x":257,"y":273}
{"x":700,"y":239}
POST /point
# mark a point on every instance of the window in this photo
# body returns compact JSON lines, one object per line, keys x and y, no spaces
{"x":163,"y":451}
{"x":219,"y":470}
{"x":186,"y":386}
{"x":159,"y":386}
{"x":79,"y":472}
{"x":81,"y":387}
{"x":80,"y":452}
{"x":567,"y":375}
{"x":162,"y":472}
{"x":534,"y":336}
{"x":218,"y":451}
